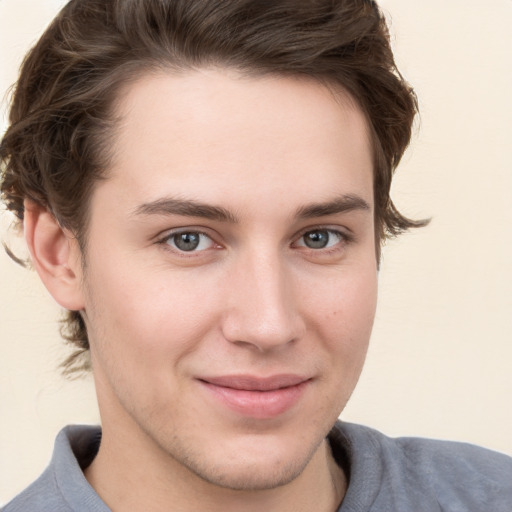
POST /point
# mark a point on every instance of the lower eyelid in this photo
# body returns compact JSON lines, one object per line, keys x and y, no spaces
{"x":169,"y":237}
{"x":339,"y":235}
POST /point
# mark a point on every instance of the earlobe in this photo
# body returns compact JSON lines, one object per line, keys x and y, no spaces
{"x":55,"y":255}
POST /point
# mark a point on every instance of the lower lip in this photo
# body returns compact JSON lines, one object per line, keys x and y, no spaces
{"x":258,"y":404}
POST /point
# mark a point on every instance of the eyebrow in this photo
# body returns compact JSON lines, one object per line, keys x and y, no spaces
{"x":187,"y":208}
{"x":192,"y":208}
{"x":341,"y":204}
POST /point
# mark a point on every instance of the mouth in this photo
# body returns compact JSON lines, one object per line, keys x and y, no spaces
{"x":256,"y":397}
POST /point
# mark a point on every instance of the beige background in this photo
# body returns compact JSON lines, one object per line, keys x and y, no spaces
{"x":439,"y":364}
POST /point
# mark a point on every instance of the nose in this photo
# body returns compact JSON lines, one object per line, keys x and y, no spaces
{"x":262,"y":310}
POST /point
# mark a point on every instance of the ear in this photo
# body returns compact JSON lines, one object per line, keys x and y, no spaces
{"x":55,"y":255}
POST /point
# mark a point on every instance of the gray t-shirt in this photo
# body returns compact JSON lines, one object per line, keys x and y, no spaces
{"x":385,"y":475}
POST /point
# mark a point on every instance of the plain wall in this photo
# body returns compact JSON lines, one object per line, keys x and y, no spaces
{"x":440,"y":357}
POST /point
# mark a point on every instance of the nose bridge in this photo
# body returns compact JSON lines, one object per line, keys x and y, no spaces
{"x":263,"y":311}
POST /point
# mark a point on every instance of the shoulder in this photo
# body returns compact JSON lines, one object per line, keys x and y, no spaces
{"x":62,"y":487}
{"x":41,"y":495}
{"x":410,"y":472}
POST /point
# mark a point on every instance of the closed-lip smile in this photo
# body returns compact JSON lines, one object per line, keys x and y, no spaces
{"x":257,"y":397}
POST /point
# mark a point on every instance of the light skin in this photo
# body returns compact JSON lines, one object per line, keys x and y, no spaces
{"x":232,"y":246}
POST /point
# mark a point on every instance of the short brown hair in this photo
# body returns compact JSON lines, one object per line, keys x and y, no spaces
{"x":61,"y":116}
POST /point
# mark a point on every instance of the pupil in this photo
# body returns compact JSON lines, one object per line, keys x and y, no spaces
{"x":187,"y":241}
{"x":317,"y":239}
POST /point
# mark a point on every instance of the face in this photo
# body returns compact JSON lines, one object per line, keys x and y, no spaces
{"x":230,"y":281}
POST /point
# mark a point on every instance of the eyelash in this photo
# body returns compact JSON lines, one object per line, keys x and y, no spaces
{"x":170,"y":236}
{"x":344,"y":239}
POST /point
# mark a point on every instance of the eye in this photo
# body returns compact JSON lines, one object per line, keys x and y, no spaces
{"x":189,"y":241}
{"x":320,"y":239}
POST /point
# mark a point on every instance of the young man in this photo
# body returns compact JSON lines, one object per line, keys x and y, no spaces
{"x":204,"y":186}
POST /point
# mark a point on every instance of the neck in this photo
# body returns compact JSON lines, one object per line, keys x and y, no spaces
{"x":140,"y":479}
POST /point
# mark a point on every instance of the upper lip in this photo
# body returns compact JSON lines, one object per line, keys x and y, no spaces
{"x":253,"y":383}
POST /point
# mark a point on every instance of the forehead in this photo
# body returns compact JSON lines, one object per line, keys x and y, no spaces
{"x":220,"y":132}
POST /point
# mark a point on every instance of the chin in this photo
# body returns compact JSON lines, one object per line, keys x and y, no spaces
{"x":252,"y":465}
{"x":247,"y":475}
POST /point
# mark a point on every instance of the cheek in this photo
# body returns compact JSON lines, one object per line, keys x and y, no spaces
{"x":344,"y":312}
{"x":147,"y":314}
{"x":357,"y":304}
{"x":346,"y":298}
